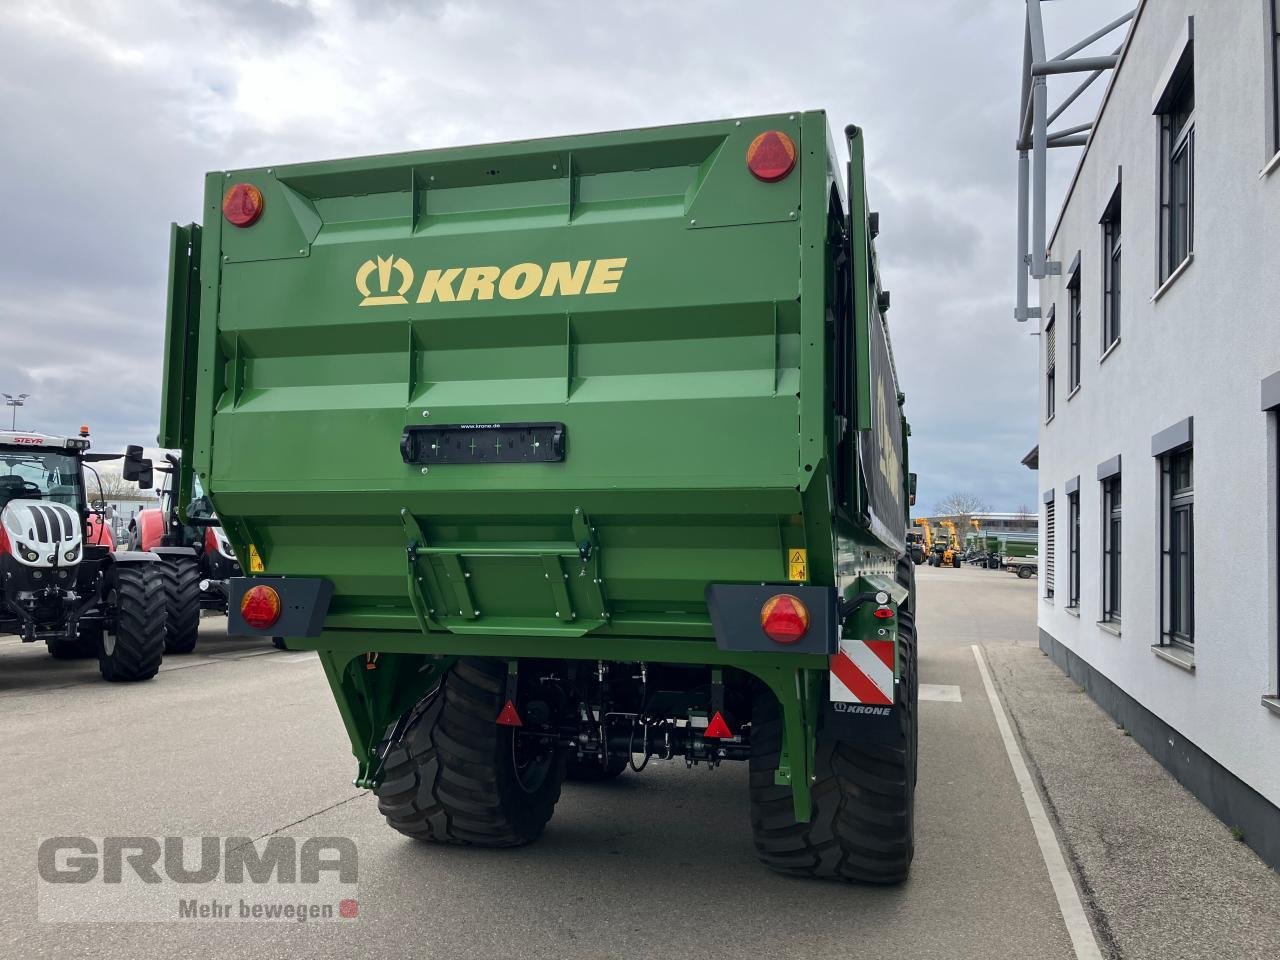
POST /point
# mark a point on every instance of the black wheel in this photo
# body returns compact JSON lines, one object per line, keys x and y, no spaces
{"x":862,"y":827}
{"x":278,"y":643}
{"x":1025,"y":573}
{"x":135,"y":649}
{"x":80,"y":648}
{"x":590,"y":770}
{"x":181,"y":576}
{"x":456,"y":776}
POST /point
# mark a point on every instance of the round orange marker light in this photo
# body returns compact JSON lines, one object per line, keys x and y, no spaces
{"x":260,"y":606}
{"x":242,"y":205}
{"x":771,"y":156}
{"x":784,"y":619}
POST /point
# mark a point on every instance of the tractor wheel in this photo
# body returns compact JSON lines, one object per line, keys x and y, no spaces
{"x":456,"y":776}
{"x":589,"y":771}
{"x":862,"y":827}
{"x":135,"y":649}
{"x":181,"y":576}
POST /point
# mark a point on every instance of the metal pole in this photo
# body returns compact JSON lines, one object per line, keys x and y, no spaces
{"x":1067,"y":131}
{"x":1083,"y":65}
{"x":1096,"y":35}
{"x":1039,"y":143}
{"x":1062,"y":107}
{"x":1020,"y":312}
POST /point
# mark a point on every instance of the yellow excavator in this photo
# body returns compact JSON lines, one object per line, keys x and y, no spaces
{"x":951,"y":556}
{"x":923,"y":522}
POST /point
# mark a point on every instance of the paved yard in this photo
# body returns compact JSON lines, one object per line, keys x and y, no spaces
{"x":242,"y":739}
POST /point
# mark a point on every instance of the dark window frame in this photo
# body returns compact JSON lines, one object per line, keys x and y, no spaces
{"x":1112,"y":560}
{"x":1273,"y":25}
{"x":1112,"y":270}
{"x":1073,"y":548}
{"x":1177,"y":547}
{"x":1050,"y":546}
{"x":1050,"y":367}
{"x":1073,"y":330}
{"x":1177,"y":117}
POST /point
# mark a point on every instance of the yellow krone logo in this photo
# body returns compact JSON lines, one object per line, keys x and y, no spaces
{"x":394,"y":279}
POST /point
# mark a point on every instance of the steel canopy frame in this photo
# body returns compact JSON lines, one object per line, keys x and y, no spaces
{"x":1035,"y":139}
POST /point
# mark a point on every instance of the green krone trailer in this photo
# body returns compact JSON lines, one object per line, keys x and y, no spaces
{"x":569,"y":456}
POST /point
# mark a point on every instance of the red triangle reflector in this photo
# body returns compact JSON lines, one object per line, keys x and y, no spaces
{"x":717,"y":729}
{"x":508,"y":717}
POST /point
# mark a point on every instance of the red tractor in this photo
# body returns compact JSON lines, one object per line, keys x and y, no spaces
{"x":61,"y":579}
{"x":196,"y":556}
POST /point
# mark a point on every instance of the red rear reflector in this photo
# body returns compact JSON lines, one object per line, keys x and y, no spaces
{"x":885,"y":613}
{"x":260,"y":606}
{"x":509,"y":717}
{"x":5,"y":545}
{"x":784,"y":619}
{"x":771,"y":156}
{"x":717,"y":729}
{"x":242,"y":205}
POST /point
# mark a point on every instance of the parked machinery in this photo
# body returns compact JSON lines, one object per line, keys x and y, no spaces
{"x":568,"y":456}
{"x":197,"y":557}
{"x":64,"y":582}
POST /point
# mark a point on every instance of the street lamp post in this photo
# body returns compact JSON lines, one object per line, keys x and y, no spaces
{"x":15,"y":402}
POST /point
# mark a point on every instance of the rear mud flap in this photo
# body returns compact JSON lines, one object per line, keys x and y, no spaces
{"x":863,"y":723}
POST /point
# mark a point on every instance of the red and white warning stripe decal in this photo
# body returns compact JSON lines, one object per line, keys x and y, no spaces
{"x":862,"y":672}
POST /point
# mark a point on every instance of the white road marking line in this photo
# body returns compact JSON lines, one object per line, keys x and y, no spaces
{"x":944,"y":692}
{"x":1064,"y":887}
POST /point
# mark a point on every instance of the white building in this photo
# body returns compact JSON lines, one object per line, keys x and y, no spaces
{"x":1159,"y":386}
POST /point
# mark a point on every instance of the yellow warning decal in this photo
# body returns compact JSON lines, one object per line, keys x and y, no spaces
{"x":797,"y":564}
{"x":255,"y":561}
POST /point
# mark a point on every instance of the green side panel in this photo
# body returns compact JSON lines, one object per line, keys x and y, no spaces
{"x":182,"y":327}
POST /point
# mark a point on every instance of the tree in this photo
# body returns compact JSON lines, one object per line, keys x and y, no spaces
{"x":114,"y":487}
{"x":961,"y":506}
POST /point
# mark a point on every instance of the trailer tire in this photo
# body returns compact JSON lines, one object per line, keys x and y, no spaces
{"x":136,"y":647}
{"x":181,"y":576}
{"x":862,"y":827}
{"x":1025,"y":573}
{"x":452,"y":777}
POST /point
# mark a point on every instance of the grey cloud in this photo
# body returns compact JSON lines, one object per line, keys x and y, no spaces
{"x":113,"y":113}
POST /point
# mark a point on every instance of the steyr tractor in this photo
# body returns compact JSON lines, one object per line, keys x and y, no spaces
{"x":197,"y":557}
{"x":63,"y":581}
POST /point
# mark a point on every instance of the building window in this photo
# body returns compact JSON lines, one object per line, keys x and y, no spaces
{"x":1274,"y":27}
{"x":1111,"y":272}
{"x":1111,"y":549}
{"x":1073,"y":547}
{"x":1073,"y":329}
{"x":1048,"y":549}
{"x":1178,"y":547}
{"x":1177,"y":174}
{"x":1050,"y":368}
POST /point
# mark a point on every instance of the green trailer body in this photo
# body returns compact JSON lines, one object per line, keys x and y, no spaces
{"x":531,"y":400}
{"x":1020,"y":548}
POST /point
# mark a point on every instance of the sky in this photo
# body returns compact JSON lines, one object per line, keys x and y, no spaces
{"x":111,"y":111}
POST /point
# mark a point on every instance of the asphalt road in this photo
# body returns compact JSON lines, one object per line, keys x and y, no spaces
{"x":240,"y":739}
